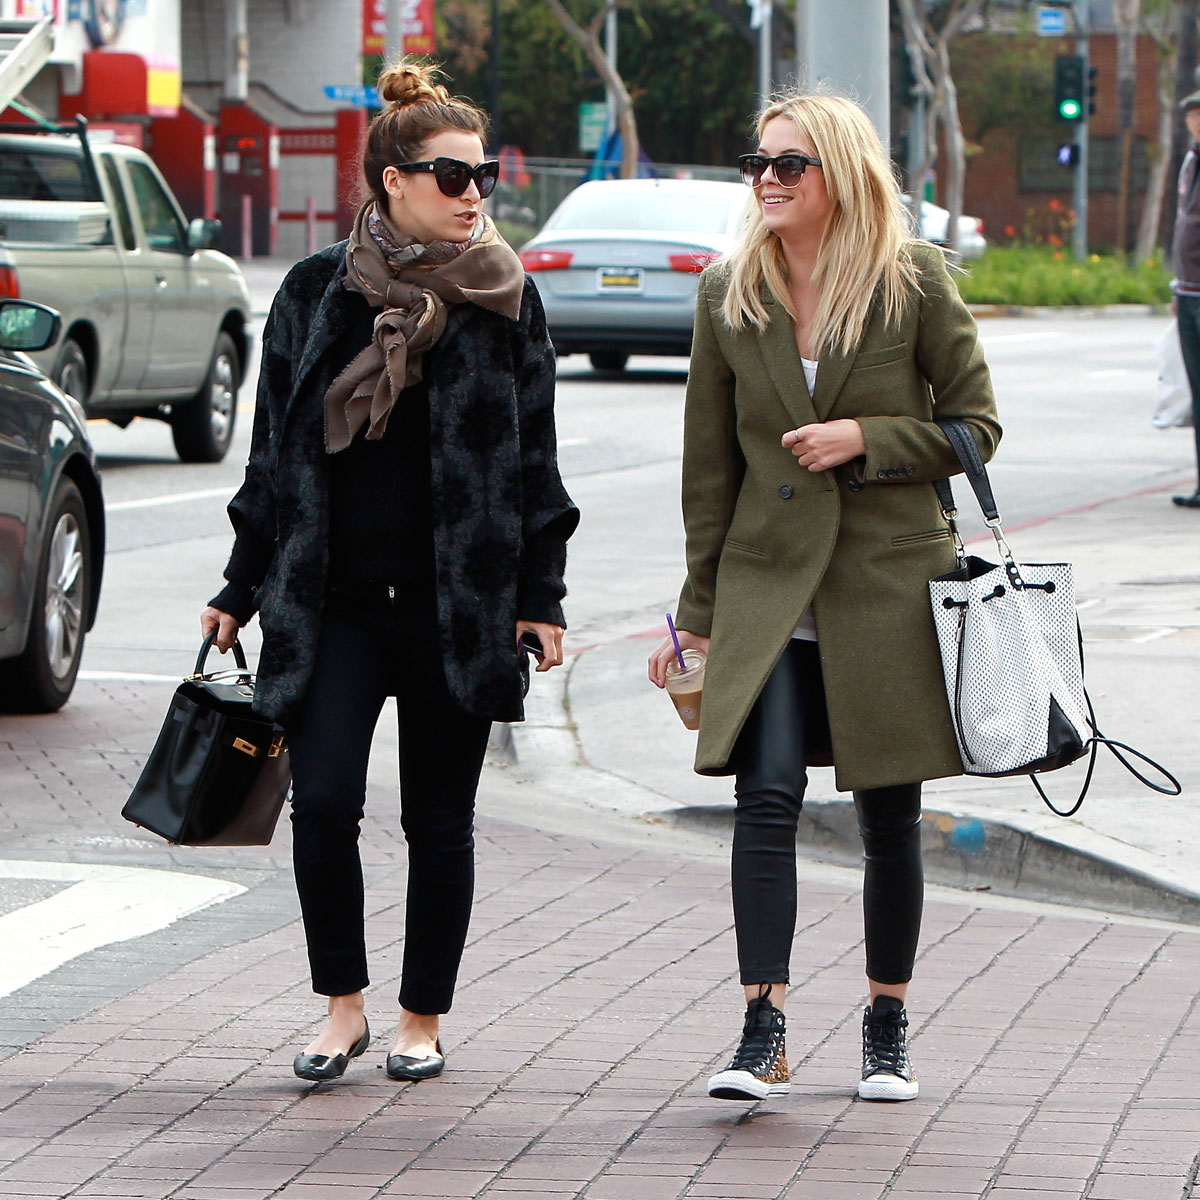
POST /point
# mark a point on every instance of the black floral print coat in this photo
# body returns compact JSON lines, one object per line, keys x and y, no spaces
{"x":501,"y":514}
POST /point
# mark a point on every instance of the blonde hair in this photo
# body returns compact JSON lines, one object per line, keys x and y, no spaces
{"x":863,"y":246}
{"x":416,"y":106}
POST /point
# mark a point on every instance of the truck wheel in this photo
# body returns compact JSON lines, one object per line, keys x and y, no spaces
{"x":202,"y":427}
{"x":42,"y":678}
{"x":608,"y":360}
{"x":72,"y":374}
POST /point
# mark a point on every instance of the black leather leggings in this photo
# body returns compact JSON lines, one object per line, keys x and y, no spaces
{"x":769,"y":759}
{"x":365,"y":653}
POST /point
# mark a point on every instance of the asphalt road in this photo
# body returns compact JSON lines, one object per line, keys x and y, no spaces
{"x":1075,"y":396}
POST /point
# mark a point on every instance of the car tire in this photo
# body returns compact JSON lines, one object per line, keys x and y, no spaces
{"x":608,"y":360}
{"x":202,"y":427}
{"x":72,"y":374}
{"x":41,"y":679}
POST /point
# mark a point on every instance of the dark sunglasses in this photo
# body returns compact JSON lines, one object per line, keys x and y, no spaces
{"x":454,"y":176}
{"x":788,"y":168}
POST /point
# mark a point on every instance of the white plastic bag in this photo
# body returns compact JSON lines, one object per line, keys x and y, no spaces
{"x":1173,"y":397}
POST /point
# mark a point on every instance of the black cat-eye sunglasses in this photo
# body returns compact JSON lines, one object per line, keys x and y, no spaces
{"x":454,"y":176}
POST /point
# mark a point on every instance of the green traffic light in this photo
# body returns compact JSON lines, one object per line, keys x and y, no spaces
{"x":1070,"y":110}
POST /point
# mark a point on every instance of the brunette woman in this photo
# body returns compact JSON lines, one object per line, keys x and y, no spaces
{"x":401,"y":531}
{"x":826,"y":346}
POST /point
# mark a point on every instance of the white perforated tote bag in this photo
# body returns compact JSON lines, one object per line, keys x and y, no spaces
{"x":1012,"y":654}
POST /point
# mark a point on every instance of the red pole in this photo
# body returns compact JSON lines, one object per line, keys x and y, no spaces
{"x":310,"y":225}
{"x":247,"y":238}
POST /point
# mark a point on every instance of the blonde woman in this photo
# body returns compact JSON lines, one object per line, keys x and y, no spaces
{"x":826,"y":346}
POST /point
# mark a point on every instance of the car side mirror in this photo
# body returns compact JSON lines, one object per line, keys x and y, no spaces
{"x":203,"y":233}
{"x":27,"y":326}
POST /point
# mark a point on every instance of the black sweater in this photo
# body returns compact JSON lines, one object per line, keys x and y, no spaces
{"x":380,"y":494}
{"x":380,"y":498}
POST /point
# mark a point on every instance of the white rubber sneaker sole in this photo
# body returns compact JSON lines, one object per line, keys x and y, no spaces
{"x":882,"y":1086}
{"x":741,"y":1085}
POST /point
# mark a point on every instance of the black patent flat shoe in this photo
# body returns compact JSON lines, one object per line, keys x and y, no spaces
{"x":317,"y":1068}
{"x":405,"y":1066}
{"x":1192,"y":501}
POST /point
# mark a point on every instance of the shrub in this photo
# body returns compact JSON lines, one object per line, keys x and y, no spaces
{"x":1043,"y":275}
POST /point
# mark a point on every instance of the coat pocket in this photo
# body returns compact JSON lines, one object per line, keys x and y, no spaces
{"x":744,"y":548}
{"x":882,"y":356}
{"x":920,"y":539}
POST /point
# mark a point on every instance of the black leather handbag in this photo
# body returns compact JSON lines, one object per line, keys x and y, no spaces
{"x":219,"y":773}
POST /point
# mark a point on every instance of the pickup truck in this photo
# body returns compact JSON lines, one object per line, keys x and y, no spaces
{"x":154,"y":320}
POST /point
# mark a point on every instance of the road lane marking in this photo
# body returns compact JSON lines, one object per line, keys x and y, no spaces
{"x":103,"y":905}
{"x":173,"y":498}
{"x":126,"y":677}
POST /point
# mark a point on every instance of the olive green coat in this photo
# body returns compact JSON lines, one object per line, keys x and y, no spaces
{"x":766,"y":537}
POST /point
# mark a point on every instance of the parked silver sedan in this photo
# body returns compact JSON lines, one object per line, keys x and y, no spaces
{"x":935,"y":227}
{"x":617,"y":263}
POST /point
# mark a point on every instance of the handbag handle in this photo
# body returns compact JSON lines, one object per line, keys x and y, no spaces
{"x":962,"y":442}
{"x":239,"y":655}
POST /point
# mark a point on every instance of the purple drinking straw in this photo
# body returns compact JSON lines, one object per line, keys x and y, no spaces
{"x":675,"y":639}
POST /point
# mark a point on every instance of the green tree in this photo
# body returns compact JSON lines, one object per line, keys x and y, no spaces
{"x":688,"y":64}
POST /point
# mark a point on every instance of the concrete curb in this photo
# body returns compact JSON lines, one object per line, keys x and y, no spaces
{"x":976,"y":854}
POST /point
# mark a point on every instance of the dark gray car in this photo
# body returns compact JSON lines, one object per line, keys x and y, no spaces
{"x":51,"y":521}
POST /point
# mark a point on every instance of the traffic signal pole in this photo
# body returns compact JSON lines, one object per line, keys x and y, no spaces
{"x":1080,"y":240}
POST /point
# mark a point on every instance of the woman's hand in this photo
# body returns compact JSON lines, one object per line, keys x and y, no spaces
{"x":825,"y":444}
{"x":666,"y":653}
{"x":551,"y":638}
{"x":226,"y":626}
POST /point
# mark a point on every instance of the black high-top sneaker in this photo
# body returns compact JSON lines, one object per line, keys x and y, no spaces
{"x":886,"y":1074}
{"x":759,"y":1068}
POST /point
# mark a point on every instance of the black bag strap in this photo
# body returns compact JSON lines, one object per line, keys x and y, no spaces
{"x":239,"y":655}
{"x":1096,"y":741}
{"x":962,"y":442}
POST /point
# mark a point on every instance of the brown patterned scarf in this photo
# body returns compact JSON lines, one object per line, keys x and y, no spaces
{"x":413,"y":285}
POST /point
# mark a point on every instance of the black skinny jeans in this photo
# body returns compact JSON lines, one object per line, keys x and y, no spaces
{"x":367,"y":651}
{"x":770,"y":762}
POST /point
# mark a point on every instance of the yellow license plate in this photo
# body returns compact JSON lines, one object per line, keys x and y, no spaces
{"x":619,"y":279}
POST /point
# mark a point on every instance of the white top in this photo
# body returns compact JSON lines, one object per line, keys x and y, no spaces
{"x":806,"y":629}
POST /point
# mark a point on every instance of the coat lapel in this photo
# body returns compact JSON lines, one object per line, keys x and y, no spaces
{"x":831,"y":375}
{"x":777,"y":345}
{"x":330,"y":320}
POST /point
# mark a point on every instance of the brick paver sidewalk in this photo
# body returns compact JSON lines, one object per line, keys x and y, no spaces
{"x":1057,"y":1051}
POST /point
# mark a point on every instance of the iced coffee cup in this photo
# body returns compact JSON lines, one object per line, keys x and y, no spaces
{"x":685,"y":687}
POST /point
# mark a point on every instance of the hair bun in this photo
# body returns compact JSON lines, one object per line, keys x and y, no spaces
{"x":406,"y":82}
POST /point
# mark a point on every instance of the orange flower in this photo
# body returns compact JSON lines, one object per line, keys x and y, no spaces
{"x":1058,"y":254}
{"x":1009,"y":231}
{"x":1054,"y":240}
{"x":1054,"y":206}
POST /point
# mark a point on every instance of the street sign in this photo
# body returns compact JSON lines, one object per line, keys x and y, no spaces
{"x":593,"y":121}
{"x":1051,"y":22}
{"x":353,"y":93}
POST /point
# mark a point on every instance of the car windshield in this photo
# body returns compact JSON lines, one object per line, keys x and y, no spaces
{"x":29,"y":175}
{"x":647,"y":211}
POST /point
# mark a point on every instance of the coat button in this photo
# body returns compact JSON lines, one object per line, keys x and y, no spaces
{"x":910,"y":470}
{"x":891,"y":472}
{"x":855,"y":486}
{"x":881,"y":474}
{"x":785,"y":492}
